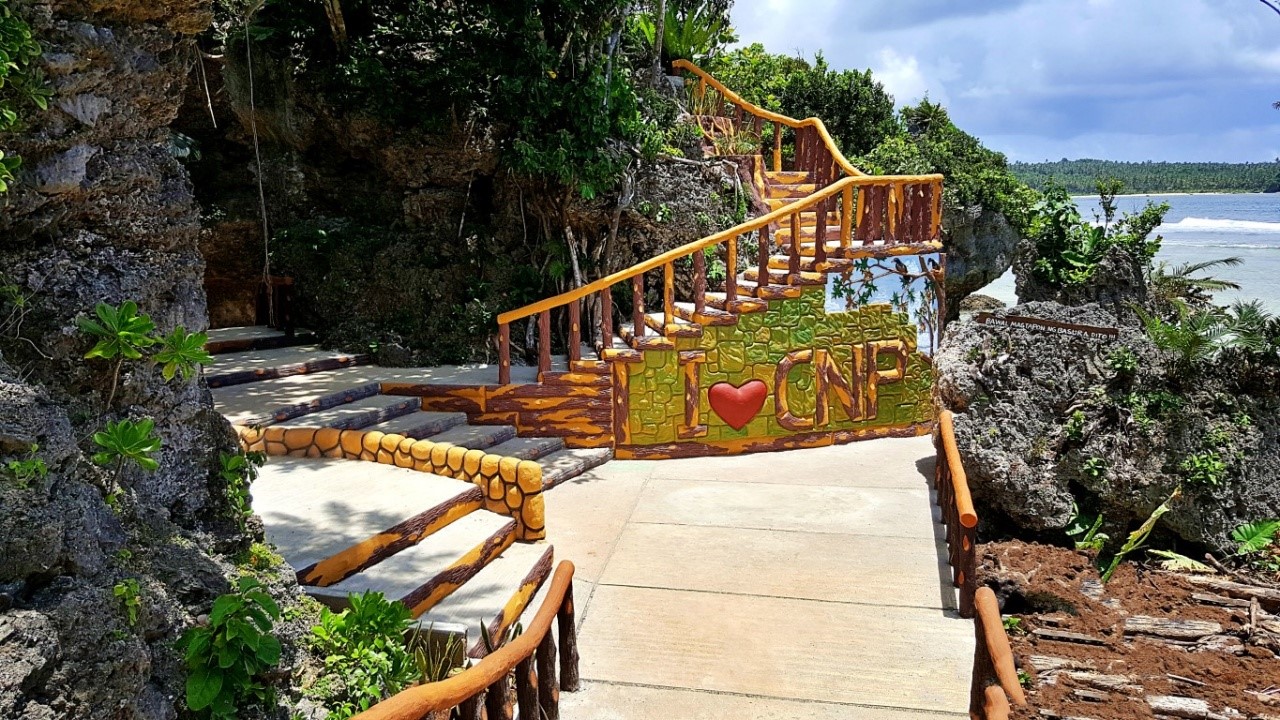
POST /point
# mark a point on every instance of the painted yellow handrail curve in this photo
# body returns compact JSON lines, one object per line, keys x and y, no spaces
{"x":422,"y":701}
{"x":745,"y":228}
{"x":774,"y":117}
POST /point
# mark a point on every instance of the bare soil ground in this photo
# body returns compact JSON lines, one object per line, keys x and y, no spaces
{"x":1148,"y":644}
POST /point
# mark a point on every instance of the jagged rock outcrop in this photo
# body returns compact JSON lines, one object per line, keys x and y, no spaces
{"x":102,"y":212}
{"x":1045,"y":421}
{"x":980,"y":247}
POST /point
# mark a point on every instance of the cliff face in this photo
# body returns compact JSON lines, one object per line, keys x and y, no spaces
{"x":103,"y":212}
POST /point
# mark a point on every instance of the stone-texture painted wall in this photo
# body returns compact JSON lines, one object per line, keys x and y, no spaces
{"x":753,"y":349}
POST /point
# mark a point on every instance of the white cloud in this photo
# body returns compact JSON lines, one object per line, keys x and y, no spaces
{"x":902,"y":77}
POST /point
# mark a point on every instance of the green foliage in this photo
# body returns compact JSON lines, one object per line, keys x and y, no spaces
{"x":1093,"y":467}
{"x":27,"y":469}
{"x":260,"y":556}
{"x":1176,"y":562}
{"x":1181,"y":286}
{"x":1198,"y":334}
{"x":1255,"y":537}
{"x":123,"y":440}
{"x":690,"y":31}
{"x":182,"y":353}
{"x":1085,"y":529}
{"x":1078,"y":176}
{"x":1123,"y":361}
{"x":437,"y":660}
{"x":21,"y":82}
{"x":1013,"y":625}
{"x":120,"y":331}
{"x":1138,"y":537}
{"x":238,"y":471}
{"x":226,"y":657}
{"x":129,"y":593}
{"x":365,"y":655}
{"x":1204,"y":468}
{"x":1074,"y":427}
{"x":1069,"y":248}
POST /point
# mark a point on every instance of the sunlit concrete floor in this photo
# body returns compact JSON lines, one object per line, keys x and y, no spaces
{"x":806,"y":584}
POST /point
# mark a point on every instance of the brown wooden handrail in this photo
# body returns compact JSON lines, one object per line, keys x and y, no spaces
{"x":774,"y":117}
{"x":993,"y":665}
{"x":490,"y":675}
{"x":958,"y":515}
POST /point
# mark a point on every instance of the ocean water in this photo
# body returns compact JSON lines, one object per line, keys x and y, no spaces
{"x":1207,"y":227}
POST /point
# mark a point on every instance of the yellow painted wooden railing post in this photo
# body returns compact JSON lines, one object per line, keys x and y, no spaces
{"x":668,"y":294}
{"x":846,"y":216}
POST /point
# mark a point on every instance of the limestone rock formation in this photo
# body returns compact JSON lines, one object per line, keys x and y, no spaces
{"x":980,"y":246}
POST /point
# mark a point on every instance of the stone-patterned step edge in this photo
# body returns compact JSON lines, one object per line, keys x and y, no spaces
{"x":402,"y":535}
{"x":270,"y":342}
{"x":420,"y":425}
{"x":568,"y":464}
{"x":432,"y":590}
{"x":358,"y":414}
{"x":240,"y":377}
{"x":324,"y":402}
{"x":528,"y":448}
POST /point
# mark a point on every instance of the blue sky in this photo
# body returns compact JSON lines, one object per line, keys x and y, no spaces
{"x":1047,"y":79}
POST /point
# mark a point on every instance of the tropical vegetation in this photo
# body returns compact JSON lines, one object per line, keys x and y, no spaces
{"x":1079,"y":176}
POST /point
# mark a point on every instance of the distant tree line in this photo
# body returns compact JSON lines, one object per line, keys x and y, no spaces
{"x":1081,"y":176}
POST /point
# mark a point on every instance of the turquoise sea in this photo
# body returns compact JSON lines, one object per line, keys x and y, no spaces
{"x":1207,"y":227}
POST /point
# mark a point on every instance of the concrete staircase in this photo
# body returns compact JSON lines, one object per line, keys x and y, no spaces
{"x":348,"y":526}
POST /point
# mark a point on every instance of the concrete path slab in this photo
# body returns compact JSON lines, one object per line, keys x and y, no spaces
{"x":907,"y":658}
{"x":744,"y":561}
{"x":608,"y":701}
{"x":798,"y":508}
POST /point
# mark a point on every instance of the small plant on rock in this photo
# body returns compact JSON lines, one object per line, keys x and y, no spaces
{"x":226,"y":657}
{"x":1093,"y":467}
{"x":182,"y":353}
{"x":239,"y":470}
{"x":1075,"y":426}
{"x":126,"y":440}
{"x":1085,"y":529}
{"x":121,"y":333}
{"x":1123,"y":361}
{"x":26,"y":470}
{"x":1204,"y":468}
{"x":129,"y":593}
{"x":1255,"y":537}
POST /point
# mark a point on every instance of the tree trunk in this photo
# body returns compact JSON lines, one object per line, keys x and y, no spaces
{"x":659,"y":30}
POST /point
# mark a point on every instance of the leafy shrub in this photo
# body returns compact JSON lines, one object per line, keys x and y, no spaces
{"x":226,"y":657}
{"x":126,"y":440}
{"x":1123,"y":361}
{"x":1204,"y":468}
{"x":690,"y":30}
{"x":181,"y":353}
{"x":27,"y":469}
{"x":1255,"y":537}
{"x":366,"y":658}
{"x":121,"y":332}
{"x":21,"y":81}
{"x":1093,"y":467}
{"x":1085,"y":530}
{"x":1075,"y":425}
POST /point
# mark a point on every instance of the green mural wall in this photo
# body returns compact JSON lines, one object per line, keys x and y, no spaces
{"x":815,"y":349}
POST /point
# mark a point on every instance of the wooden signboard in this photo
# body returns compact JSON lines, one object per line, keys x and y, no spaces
{"x":1092,"y":332}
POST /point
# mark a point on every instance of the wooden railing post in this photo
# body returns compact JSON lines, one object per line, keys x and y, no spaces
{"x":568,"y":643}
{"x":777,"y":147}
{"x":606,"y":318}
{"x":846,"y":217}
{"x":548,"y":690}
{"x":637,"y":305}
{"x":527,"y":689}
{"x":544,"y":341}
{"x":504,"y":354}
{"x":731,"y":270}
{"x":763,"y":264}
{"x":668,"y":294}
{"x":793,"y":259}
{"x":699,"y":281}
{"x":497,"y":701}
{"x":575,"y":331}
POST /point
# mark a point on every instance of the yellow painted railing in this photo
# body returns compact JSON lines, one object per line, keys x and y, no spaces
{"x":893,"y":214}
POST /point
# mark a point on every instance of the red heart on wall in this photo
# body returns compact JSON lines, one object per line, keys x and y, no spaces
{"x":737,"y":405}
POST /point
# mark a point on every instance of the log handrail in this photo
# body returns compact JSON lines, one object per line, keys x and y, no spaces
{"x":995,"y":677}
{"x":428,"y":701}
{"x":773,"y":117}
{"x":959,"y":480}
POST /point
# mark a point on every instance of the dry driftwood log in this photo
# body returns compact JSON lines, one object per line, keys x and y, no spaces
{"x":1183,"y":707}
{"x":1267,"y":597}
{"x":1170,"y":628}
{"x":1067,"y":636}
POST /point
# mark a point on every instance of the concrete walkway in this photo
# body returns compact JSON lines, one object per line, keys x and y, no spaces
{"x":803,"y":584}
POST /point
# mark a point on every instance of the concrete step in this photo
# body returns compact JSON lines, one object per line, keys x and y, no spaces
{"x":679,"y":327}
{"x":528,"y":448}
{"x":782,"y":277}
{"x":421,"y":424}
{"x":270,"y":401}
{"x":808,"y":264}
{"x":495,"y":598}
{"x":237,"y":368}
{"x":567,"y":464}
{"x":476,"y":437}
{"x":738,"y":305}
{"x":254,"y":337}
{"x":424,"y":574}
{"x":749,"y":288}
{"x":790,"y":190}
{"x":707,"y":316}
{"x":329,"y":518}
{"x":648,"y":341}
{"x":358,"y":414}
{"x":787,"y":176}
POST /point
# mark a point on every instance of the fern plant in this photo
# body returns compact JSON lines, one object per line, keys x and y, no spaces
{"x":182,"y":353}
{"x":1178,"y":562}
{"x":126,"y":440}
{"x":121,"y":333}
